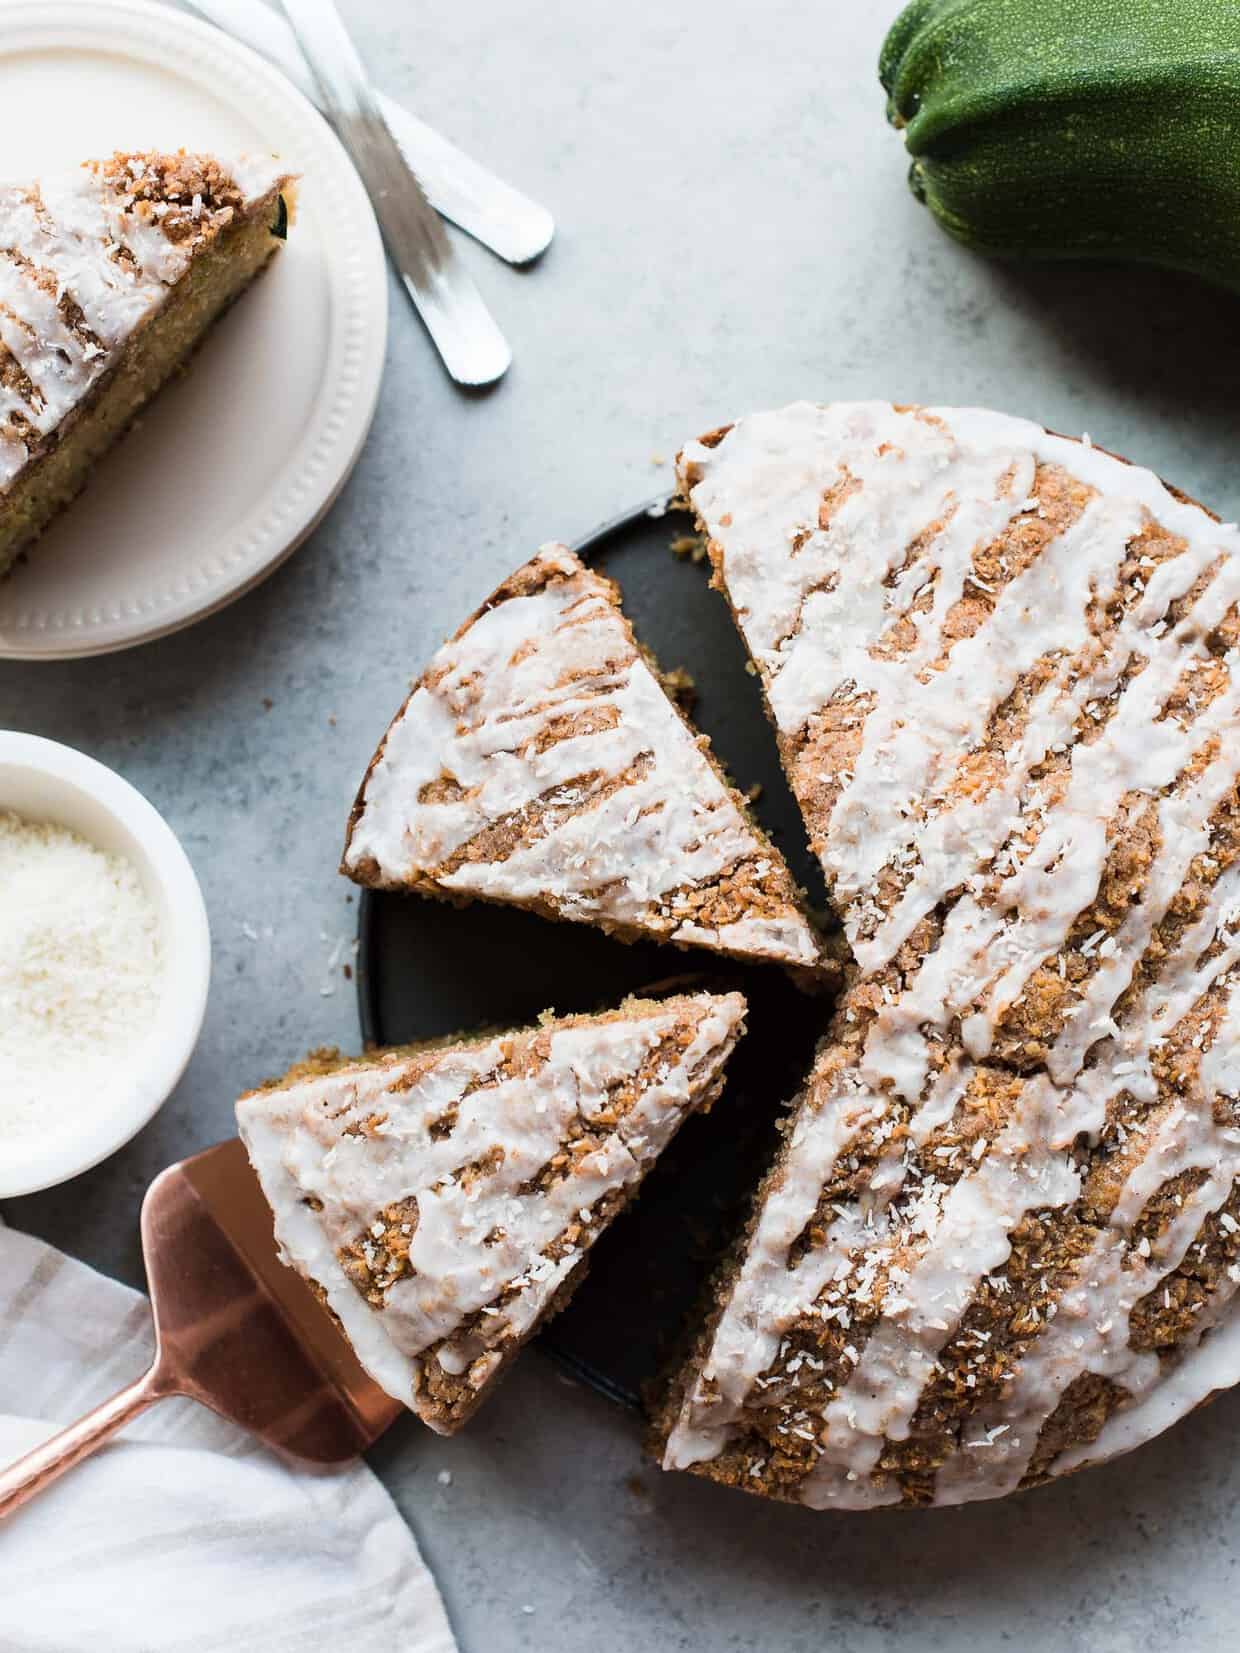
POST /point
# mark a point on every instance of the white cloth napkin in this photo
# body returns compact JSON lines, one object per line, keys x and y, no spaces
{"x":182,"y":1536}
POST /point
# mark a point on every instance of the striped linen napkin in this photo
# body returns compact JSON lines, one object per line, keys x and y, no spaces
{"x":182,"y":1536}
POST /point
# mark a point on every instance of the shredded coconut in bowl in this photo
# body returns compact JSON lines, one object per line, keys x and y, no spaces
{"x":81,"y":967}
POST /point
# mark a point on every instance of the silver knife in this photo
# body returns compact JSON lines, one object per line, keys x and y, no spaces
{"x":473,"y":349}
{"x":462,"y":189}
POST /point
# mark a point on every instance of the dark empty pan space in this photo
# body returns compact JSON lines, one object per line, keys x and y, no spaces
{"x":428,"y":968}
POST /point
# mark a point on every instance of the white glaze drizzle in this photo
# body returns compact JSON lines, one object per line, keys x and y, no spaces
{"x":1212,"y":1360}
{"x":768,"y":1292}
{"x":483,"y":1235}
{"x":758,"y":492}
{"x":71,"y":229}
{"x":612,"y":853}
{"x":1024,"y":1169}
{"x":1090,"y":1332}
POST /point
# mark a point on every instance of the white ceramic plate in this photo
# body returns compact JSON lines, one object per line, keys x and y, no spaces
{"x":234,"y":463}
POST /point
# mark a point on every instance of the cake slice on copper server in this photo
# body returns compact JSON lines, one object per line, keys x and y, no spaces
{"x":443,"y":1200}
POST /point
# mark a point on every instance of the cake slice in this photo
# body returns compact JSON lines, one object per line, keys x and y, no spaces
{"x":443,"y":1200}
{"x":540,"y":762}
{"x":1002,"y":1239}
{"x":109,"y":278}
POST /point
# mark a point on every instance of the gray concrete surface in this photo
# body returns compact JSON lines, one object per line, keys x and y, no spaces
{"x":735,"y":231}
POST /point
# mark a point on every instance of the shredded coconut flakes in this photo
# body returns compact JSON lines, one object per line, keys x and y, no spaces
{"x":80,"y":970}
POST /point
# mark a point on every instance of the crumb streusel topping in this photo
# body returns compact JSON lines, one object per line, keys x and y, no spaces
{"x":540,"y":761}
{"x":1003,"y":1238}
{"x":84,"y":258}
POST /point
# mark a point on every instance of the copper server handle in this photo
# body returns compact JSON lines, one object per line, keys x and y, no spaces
{"x":31,"y":1474}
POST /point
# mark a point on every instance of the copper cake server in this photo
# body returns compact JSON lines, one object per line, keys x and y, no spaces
{"x":235,"y":1329}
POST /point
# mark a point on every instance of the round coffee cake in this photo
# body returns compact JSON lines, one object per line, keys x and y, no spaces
{"x":1003,"y":1238}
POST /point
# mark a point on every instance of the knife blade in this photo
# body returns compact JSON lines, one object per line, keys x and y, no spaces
{"x":472,"y":348}
{"x":504,"y":219}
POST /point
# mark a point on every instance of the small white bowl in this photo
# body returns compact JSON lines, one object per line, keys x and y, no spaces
{"x":44,"y":781}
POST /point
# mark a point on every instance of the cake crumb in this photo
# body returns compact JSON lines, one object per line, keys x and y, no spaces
{"x":692,"y":546}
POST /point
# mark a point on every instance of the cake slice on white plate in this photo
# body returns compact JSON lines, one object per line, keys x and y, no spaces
{"x":541,"y":762}
{"x":109,"y":278}
{"x":442,"y":1200}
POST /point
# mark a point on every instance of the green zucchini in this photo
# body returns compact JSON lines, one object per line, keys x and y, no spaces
{"x":1075,"y":128}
